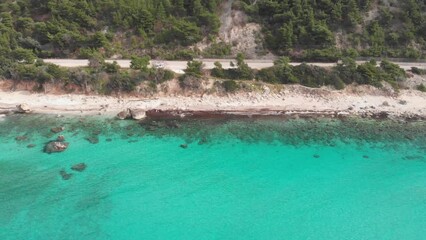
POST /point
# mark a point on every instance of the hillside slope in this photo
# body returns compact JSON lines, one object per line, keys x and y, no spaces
{"x":380,"y":28}
{"x":174,"y":29}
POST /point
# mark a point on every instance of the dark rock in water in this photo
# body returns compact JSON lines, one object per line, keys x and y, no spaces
{"x":79,"y":167}
{"x":108,"y":140}
{"x":381,"y":115}
{"x":365,"y":156}
{"x":151,"y":128}
{"x":126,"y":114}
{"x":409,"y":137}
{"x":202,"y":141}
{"x":172,"y":124}
{"x":60,"y":138}
{"x":21,"y":138}
{"x":411,"y":158}
{"x":184,"y":146}
{"x":65,"y":175}
{"x":97,"y":132}
{"x":316,"y":156}
{"x":31,"y":145}
{"x":93,"y":139}
{"x":57,"y":129}
{"x":55,"y":146}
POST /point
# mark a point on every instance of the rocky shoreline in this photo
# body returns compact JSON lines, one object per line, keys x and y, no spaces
{"x":156,"y":114}
{"x":292,"y":102}
{"x":176,"y":114}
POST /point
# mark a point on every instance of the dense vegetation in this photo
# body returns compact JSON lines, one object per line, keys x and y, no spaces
{"x":344,"y":73}
{"x":301,"y":29}
{"x":100,"y":77}
{"x":326,"y":30}
{"x":52,"y":28}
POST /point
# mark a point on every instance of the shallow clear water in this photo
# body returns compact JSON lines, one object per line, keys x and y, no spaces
{"x":238,"y":179}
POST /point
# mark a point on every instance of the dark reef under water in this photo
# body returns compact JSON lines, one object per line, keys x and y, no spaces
{"x":324,"y":131}
{"x":223,"y":178}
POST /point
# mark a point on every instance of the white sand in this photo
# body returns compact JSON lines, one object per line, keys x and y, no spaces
{"x":295,"y":98}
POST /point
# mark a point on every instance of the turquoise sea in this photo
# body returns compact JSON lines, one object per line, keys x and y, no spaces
{"x":266,"y":178}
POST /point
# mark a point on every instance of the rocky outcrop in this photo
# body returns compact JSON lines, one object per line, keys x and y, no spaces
{"x":137,"y":114}
{"x":93,"y":139}
{"x":21,"y":138}
{"x":65,"y":175}
{"x":79,"y":167}
{"x":55,"y":147}
{"x":23,"y":108}
{"x":126,"y":114}
{"x":57,"y":129}
{"x":60,"y":138}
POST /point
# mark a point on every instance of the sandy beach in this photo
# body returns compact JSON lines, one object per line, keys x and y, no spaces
{"x":359,"y":100}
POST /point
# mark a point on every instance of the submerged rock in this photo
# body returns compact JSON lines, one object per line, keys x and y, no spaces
{"x":65,"y":175}
{"x":202,"y":141}
{"x":23,"y":108}
{"x":316,"y":156}
{"x":93,"y":139}
{"x":79,"y":167}
{"x":97,"y":132}
{"x":365,"y":156}
{"x":57,"y":129}
{"x":172,"y":124}
{"x":31,"y":145}
{"x":60,"y":138}
{"x":55,"y":147}
{"x":21,"y":138}
{"x":126,"y":114}
{"x":184,"y":146}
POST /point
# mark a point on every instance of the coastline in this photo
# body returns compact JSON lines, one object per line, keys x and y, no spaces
{"x":292,"y":101}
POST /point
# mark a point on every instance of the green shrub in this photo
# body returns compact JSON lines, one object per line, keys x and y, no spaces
{"x":218,"y":70}
{"x":421,"y":87}
{"x":230,"y":86}
{"x":418,"y":71}
{"x":194,"y":68}
{"x":311,"y":76}
{"x":392,"y":72}
{"x":23,"y":55}
{"x":111,"y":67}
{"x":220,"y":49}
{"x":160,"y":75}
{"x":140,"y":63}
{"x":190,"y":82}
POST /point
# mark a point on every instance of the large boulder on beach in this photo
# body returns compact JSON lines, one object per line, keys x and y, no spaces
{"x":125,"y":114}
{"x":23,"y":108}
{"x":137,"y":114}
{"x":55,"y":147}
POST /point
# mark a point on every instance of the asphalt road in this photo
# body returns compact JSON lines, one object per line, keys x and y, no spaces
{"x":179,"y":66}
